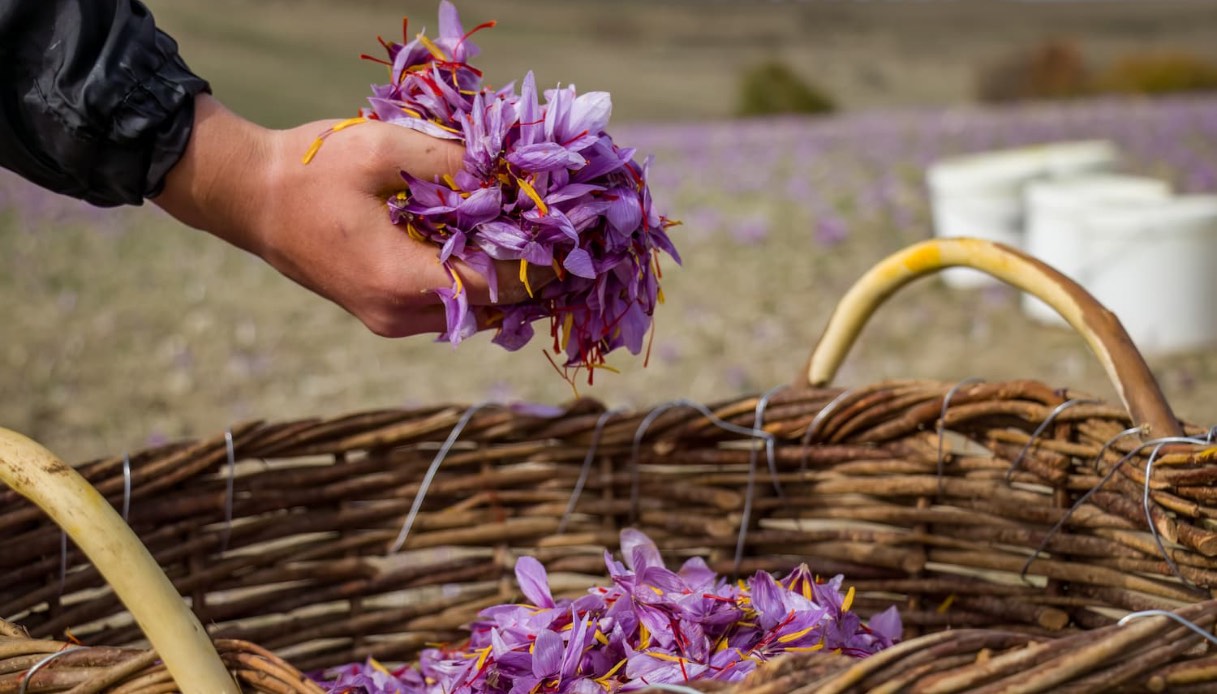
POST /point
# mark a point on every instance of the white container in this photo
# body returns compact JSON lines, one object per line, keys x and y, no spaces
{"x":1154,"y":265}
{"x":981,"y":195}
{"x":1054,"y":211}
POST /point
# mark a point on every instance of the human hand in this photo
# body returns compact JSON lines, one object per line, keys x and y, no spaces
{"x":325,"y":224}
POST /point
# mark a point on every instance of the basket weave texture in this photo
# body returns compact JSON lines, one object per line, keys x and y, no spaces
{"x":304,"y":568}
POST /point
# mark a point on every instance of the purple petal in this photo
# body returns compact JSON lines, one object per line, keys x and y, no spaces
{"x":449,"y":21}
{"x":589,"y":114}
{"x":547,"y":654}
{"x":638,"y":550}
{"x":624,"y":211}
{"x":545,"y":156}
{"x":534,"y":581}
{"x":579,"y":262}
{"x":570,"y":192}
{"x":454,"y":244}
{"x":483,"y":264}
{"x":532,"y":127}
{"x":481,"y":206}
{"x":461,"y":323}
{"x":767,"y":599}
{"x":887,"y":624}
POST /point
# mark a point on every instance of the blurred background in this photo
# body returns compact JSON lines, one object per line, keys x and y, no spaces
{"x":791,"y":138}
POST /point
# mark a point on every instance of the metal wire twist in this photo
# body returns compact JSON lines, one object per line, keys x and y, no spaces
{"x":1132,"y":616}
{"x":586,"y":468}
{"x":1039,"y":431}
{"x":431,"y":471}
{"x":29,"y":674}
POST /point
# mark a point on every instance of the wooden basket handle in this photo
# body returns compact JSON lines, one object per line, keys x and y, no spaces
{"x":1134,"y":381}
{"x":97,"y":529}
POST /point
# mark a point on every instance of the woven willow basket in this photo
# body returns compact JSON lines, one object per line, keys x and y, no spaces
{"x":954,"y":501}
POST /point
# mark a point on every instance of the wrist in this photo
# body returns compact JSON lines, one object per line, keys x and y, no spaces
{"x":222,"y":176}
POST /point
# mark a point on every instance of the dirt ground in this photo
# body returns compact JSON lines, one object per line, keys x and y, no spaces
{"x":124,"y":327}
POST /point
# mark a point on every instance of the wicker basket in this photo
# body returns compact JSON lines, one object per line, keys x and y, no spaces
{"x":1008,"y":520}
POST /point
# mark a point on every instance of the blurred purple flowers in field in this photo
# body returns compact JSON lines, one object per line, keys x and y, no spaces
{"x":651,"y":625}
{"x":542,"y":184}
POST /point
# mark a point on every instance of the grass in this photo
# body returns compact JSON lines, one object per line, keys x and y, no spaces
{"x":125,"y":327}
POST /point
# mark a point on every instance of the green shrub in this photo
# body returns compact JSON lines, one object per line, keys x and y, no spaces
{"x":772,"y":88}
{"x":1158,"y":73}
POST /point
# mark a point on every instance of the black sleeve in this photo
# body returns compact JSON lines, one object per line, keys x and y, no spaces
{"x":94,"y":100}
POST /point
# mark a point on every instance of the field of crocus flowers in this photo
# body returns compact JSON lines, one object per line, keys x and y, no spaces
{"x":122,"y":327}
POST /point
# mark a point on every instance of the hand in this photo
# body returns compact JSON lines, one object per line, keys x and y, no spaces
{"x":325,"y":224}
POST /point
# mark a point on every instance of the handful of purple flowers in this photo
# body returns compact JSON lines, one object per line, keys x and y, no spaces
{"x":650,"y":626}
{"x":541,"y":184}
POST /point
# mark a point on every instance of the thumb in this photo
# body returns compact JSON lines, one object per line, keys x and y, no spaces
{"x":418,"y":154}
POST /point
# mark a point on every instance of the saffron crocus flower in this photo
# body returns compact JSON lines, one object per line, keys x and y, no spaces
{"x":541,"y":184}
{"x":650,"y":625}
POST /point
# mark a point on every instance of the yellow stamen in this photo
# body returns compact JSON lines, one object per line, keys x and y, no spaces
{"x":441,"y":126}
{"x":946,"y":604}
{"x":722,"y":645}
{"x":807,"y":589}
{"x":460,"y":285}
{"x":644,"y":637}
{"x":653,"y":588}
{"x":415,"y":233}
{"x":312,"y":151}
{"x":849,"y":600}
{"x":796,"y":635}
{"x":667,"y":656}
{"x":659,"y":294}
{"x":567,"y":324}
{"x":450,"y":181}
{"x":805,"y":649}
{"x":599,"y":636}
{"x":430,"y":46}
{"x":484,"y":653}
{"x":532,"y":193}
{"x":341,"y":125}
{"x":411,"y":112}
{"x":603,"y":680}
{"x":524,"y":276}
{"x":377,"y":666}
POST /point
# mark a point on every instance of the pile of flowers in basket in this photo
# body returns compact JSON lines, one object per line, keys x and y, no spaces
{"x":651,"y":625}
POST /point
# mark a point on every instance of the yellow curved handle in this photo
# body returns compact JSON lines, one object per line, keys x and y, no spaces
{"x":97,"y":529}
{"x":1134,"y":382}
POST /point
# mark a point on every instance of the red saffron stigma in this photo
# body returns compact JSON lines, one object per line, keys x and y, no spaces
{"x":382,"y":61}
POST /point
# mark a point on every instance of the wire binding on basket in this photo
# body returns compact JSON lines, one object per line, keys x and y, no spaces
{"x":640,"y":433}
{"x":1159,"y":443}
{"x":230,"y":450}
{"x":758,"y":423}
{"x":1142,"y":614}
{"x":1039,"y":431}
{"x":942,"y":424}
{"x":126,"y":510}
{"x":29,"y":674}
{"x":586,"y":468}
{"x":1149,"y":519}
{"x":438,"y":460}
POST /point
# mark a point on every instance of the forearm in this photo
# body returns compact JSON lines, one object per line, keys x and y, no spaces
{"x":223,"y":181}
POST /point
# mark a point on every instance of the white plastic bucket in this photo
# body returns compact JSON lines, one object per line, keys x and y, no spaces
{"x":1153,"y":264}
{"x":1054,"y":210}
{"x":981,"y":195}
